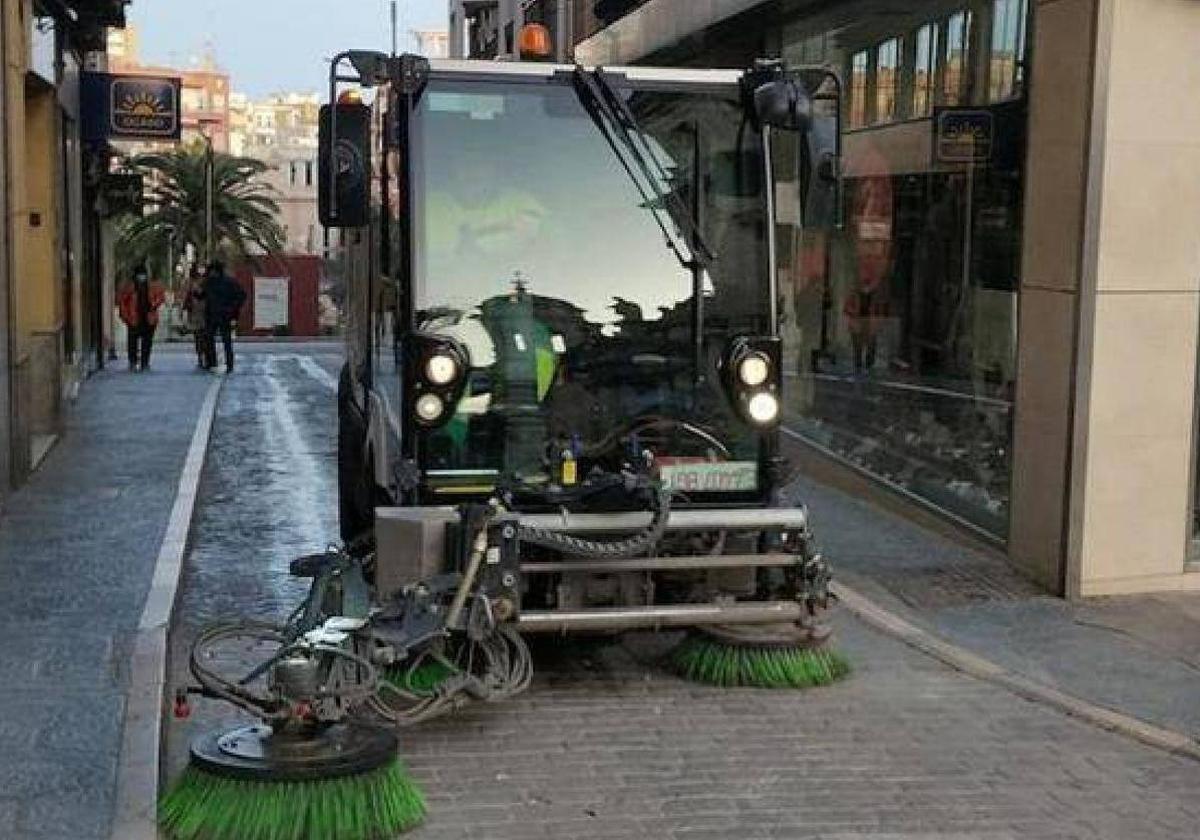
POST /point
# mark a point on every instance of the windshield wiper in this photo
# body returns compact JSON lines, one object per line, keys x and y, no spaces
{"x":614,"y":120}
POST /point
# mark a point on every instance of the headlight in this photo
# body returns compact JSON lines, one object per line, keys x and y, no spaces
{"x":763,"y":408}
{"x":441,"y":369}
{"x":754,"y":369}
{"x":430,"y":407}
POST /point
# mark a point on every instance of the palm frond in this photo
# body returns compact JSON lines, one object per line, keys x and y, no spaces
{"x":245,"y":210}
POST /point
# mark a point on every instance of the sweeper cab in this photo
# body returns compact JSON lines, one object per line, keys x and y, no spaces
{"x":562,"y":322}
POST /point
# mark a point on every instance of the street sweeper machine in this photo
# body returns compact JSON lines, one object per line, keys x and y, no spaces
{"x":559,"y":414}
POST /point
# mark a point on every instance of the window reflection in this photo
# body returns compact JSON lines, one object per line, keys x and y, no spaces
{"x":899,"y":329}
{"x":858,"y":90}
{"x":956,"y":75}
{"x":538,"y":255}
{"x":887,"y":79}
{"x":1006,"y":70}
{"x":923,"y":72}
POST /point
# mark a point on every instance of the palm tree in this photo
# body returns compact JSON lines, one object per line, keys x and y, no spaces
{"x":245,"y":214}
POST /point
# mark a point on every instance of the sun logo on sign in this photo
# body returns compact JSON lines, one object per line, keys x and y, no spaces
{"x":144,"y":104}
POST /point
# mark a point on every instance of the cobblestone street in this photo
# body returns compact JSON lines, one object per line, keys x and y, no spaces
{"x":607,"y":745}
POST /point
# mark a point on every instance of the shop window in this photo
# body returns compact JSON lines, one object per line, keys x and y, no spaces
{"x":899,"y":327}
{"x":1006,"y":68}
{"x":956,"y":72}
{"x":859,"y":68}
{"x":887,"y":79}
{"x":925,"y":70}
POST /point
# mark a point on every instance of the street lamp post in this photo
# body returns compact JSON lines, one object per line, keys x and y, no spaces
{"x":208,"y":199}
{"x":171,"y":230}
{"x":209,"y":175}
{"x":171,"y":257}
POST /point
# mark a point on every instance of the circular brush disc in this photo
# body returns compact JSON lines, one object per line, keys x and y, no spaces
{"x":258,"y":753}
{"x":342,"y":782}
{"x":760,"y":656}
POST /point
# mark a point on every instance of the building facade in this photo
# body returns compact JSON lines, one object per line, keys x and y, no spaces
{"x":281,"y":130}
{"x":52,"y":239}
{"x":488,"y":28}
{"x":1005,"y":336}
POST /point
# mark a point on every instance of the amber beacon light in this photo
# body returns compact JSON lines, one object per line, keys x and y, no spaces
{"x":533,"y":42}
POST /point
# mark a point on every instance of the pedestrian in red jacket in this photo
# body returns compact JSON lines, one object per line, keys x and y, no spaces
{"x":138,"y":302}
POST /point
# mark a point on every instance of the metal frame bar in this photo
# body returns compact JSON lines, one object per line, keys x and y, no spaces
{"x":663,"y":564}
{"x":746,"y":519}
{"x":658,"y":618}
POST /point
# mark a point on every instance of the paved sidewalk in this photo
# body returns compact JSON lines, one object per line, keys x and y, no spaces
{"x":77,"y":551}
{"x":1139,"y":654}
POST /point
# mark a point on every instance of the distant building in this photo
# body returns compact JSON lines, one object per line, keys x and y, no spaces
{"x":489,"y":28}
{"x":239,"y":122}
{"x":432,"y":43}
{"x":281,"y":130}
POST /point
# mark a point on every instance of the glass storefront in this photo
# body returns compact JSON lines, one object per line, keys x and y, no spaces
{"x":900,"y":325}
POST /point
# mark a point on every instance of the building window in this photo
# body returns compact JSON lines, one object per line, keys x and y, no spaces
{"x":292,"y":173}
{"x":1006,"y":70}
{"x":887,"y":79}
{"x":859,"y":67}
{"x":925,"y":70}
{"x":956,"y":75}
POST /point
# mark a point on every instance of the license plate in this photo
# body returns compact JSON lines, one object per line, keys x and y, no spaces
{"x":710,"y":477}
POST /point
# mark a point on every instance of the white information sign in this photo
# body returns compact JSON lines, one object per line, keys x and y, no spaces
{"x":270,"y":302}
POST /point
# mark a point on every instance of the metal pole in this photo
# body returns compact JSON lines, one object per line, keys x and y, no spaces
{"x":208,"y":201}
{"x":395,"y":17}
{"x":562,"y":31}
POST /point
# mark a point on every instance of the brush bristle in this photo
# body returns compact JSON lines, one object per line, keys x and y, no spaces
{"x":369,"y":806}
{"x":422,"y":679}
{"x":704,"y":659}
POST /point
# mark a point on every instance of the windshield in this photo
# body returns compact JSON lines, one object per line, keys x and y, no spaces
{"x":521,"y":204}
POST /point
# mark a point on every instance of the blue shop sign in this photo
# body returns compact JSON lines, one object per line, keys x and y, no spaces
{"x":963,"y":135}
{"x":130,"y":107}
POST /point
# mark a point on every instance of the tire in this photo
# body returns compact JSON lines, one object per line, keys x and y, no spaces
{"x":356,"y":484}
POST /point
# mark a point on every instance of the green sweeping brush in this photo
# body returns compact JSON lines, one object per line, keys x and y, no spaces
{"x":421,"y":678}
{"x":736,"y":659}
{"x":242,"y":786}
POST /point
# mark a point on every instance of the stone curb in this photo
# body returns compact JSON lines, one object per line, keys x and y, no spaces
{"x":976,"y":666}
{"x":137,"y":773}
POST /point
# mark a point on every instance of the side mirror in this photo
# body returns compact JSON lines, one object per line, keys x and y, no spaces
{"x":344,"y":199}
{"x":783,"y":103}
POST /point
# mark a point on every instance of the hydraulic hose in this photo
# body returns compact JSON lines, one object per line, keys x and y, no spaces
{"x":632,"y":546}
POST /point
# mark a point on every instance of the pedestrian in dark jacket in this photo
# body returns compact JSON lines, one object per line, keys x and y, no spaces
{"x":223,"y":299}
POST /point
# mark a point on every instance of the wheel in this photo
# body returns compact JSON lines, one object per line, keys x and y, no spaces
{"x":356,"y":484}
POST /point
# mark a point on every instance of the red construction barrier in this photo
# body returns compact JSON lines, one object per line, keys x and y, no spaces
{"x":303,"y":273}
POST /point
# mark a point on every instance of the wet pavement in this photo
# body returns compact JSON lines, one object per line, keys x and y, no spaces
{"x":607,"y":745}
{"x":268,"y":494}
{"x":78,"y":545}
